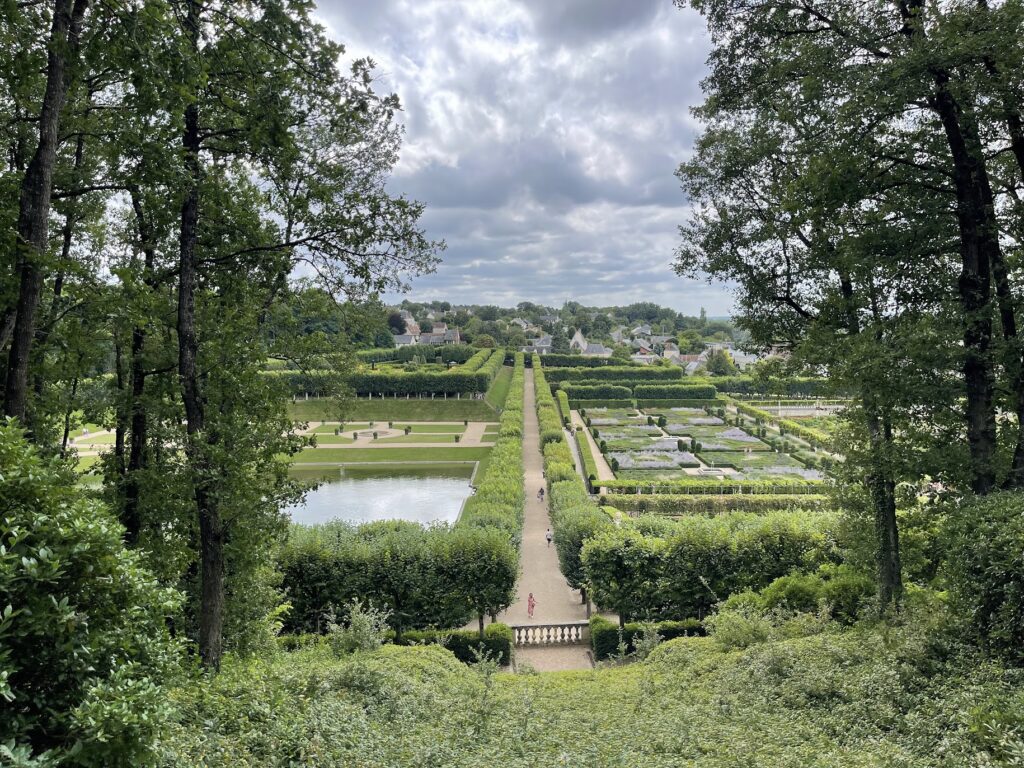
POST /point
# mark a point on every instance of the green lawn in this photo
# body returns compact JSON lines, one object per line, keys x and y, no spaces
{"x":95,"y":440}
{"x":395,"y":409}
{"x":328,"y":429}
{"x":498,"y":392}
{"x":359,"y":455}
{"x":332,"y":439}
{"x":456,"y":429}
{"x":434,"y":437}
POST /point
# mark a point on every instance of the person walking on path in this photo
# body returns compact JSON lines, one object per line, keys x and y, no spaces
{"x":548,"y":536}
{"x":531,"y":603}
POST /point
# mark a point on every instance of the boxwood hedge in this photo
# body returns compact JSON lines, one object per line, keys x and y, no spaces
{"x":605,"y":635}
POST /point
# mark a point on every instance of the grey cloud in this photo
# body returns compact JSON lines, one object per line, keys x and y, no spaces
{"x":542,"y":136}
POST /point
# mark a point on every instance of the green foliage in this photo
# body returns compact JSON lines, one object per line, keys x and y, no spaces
{"x":984,"y":569}
{"x":552,"y":360}
{"x":682,"y":569}
{"x":714,"y":486}
{"x":674,"y":392}
{"x":466,"y":644}
{"x":605,"y":636}
{"x":677,"y":504}
{"x":84,"y":642}
{"x":614,"y":373}
{"x":595,"y":392}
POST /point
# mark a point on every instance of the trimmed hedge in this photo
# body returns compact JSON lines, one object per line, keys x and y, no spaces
{"x":584,"y":404}
{"x":563,"y":407}
{"x":555,"y":360}
{"x":500,"y":495}
{"x":791,"y":387}
{"x":676,"y":403}
{"x":604,"y":634}
{"x":812,"y":436}
{"x":595,"y":392}
{"x":498,"y":641}
{"x":547,"y":414}
{"x":713,"y":486}
{"x":615,"y":373}
{"x":677,"y":391}
{"x":678,"y":504}
{"x":589,"y":462}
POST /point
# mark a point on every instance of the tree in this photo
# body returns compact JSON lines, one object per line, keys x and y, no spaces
{"x":559,"y":340}
{"x":84,"y":641}
{"x":720,"y":363}
{"x":397,"y":323}
{"x":484,"y":341}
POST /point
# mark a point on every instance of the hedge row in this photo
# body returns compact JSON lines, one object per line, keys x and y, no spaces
{"x":584,"y":404}
{"x":473,"y":377}
{"x":564,"y":410}
{"x":554,"y":360}
{"x":713,"y":486}
{"x":595,"y":391}
{"x":677,"y":403}
{"x":614,"y":373}
{"x":589,"y":462}
{"x":677,"y":391}
{"x":449,"y":353}
{"x":500,"y":496}
{"x":679,"y":504}
{"x":606,"y":635}
{"x":547,"y":413}
{"x":791,"y":387}
{"x":657,"y":569}
{"x":436,"y":577}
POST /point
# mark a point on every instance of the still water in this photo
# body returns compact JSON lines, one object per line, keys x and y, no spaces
{"x":359,"y":494}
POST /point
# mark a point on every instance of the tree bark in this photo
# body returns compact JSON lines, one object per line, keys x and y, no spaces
{"x":36,"y":192}
{"x":881,"y":484}
{"x":211,"y":527}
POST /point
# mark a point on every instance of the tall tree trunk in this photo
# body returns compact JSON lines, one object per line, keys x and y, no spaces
{"x":139,"y":423}
{"x":881,"y":484}
{"x":211,"y":527}
{"x":979,"y":244}
{"x":36,"y":191}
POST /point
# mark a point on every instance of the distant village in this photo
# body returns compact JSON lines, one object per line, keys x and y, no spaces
{"x":643,"y":333}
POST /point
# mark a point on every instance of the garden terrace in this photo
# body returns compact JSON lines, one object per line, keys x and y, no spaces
{"x":681,"y":504}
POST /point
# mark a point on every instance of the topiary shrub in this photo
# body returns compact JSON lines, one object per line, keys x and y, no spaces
{"x":466,"y":643}
{"x":84,"y":644}
{"x":984,"y":569}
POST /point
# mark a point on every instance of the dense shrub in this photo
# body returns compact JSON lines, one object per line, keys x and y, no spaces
{"x":790,"y":387}
{"x":547,"y":414}
{"x":466,"y":644}
{"x":605,"y":635}
{"x":563,"y":407}
{"x":675,"y":391}
{"x":84,"y":643}
{"x":984,"y":569}
{"x":699,"y":561}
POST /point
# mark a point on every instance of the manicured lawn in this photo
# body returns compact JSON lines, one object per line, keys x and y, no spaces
{"x":498,"y":392}
{"x":456,"y":429}
{"x":95,"y":440}
{"x":332,"y":439}
{"x":433,"y":437}
{"x":395,"y":409}
{"x":359,"y":455}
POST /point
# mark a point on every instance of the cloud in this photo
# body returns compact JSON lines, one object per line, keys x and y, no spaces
{"x":543,"y":136}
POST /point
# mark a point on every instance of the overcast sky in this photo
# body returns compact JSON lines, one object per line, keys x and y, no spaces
{"x":542,"y":136}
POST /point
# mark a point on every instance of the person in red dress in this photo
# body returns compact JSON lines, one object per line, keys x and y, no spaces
{"x":531,"y":603}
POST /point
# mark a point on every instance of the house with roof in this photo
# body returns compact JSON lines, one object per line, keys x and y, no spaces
{"x":644,"y":359}
{"x":412,"y":327}
{"x":659,"y":339}
{"x":541,"y":346}
{"x":518,"y":321}
{"x":641,"y":330}
{"x":578,"y":342}
{"x":597,"y":350}
{"x":405,"y":339}
{"x":440,"y":327}
{"x":440,"y":338}
{"x":618,"y":334}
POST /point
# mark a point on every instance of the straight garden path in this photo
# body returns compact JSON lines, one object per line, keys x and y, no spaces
{"x":539,"y":572}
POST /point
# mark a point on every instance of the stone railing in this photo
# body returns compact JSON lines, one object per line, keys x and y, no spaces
{"x":566,"y":633}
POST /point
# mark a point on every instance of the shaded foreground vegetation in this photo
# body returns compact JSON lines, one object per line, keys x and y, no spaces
{"x":871,"y":696}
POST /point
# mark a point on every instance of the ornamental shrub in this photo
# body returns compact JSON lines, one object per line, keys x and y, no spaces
{"x":984,"y":569}
{"x":84,"y":642}
{"x":674,"y":392}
